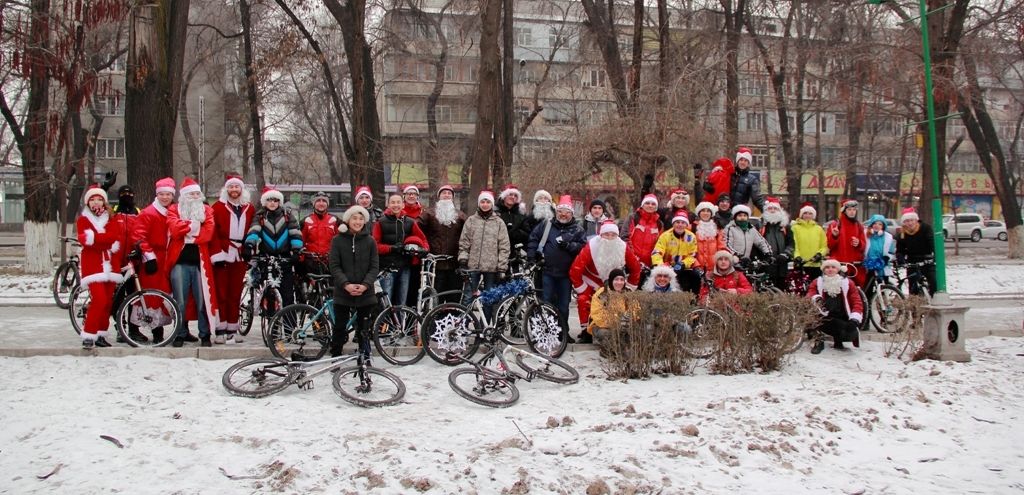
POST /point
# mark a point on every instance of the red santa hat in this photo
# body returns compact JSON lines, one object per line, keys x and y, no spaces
{"x":704,"y":205}
{"x":189,"y":186}
{"x":446,"y":187}
{"x":909,"y":213}
{"x":270,"y":193}
{"x":744,"y":153}
{"x":681,"y":216}
{"x":94,"y":190}
{"x":833,"y":262}
{"x":808,"y":207}
{"x":725,"y":254}
{"x":650,"y":198}
{"x":233,"y":180}
{"x":608,"y":226}
{"x":772,"y":201}
{"x":678,"y":192}
{"x":363,"y":190}
{"x":847,"y":203}
{"x":410,"y":188}
{"x":509,"y":189}
{"x":740,"y":209}
{"x":485,"y":194}
{"x":165,"y":185}
{"x":564,"y":203}
{"x":541,"y":194}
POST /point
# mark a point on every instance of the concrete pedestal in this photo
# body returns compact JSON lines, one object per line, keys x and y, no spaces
{"x":944,"y":330}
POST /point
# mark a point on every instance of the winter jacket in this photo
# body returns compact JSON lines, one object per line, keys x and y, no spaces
{"x":591,"y":224}
{"x":517,"y":224}
{"x":719,"y":180}
{"x":353,"y":260}
{"x":102,"y":252}
{"x":642,"y":232}
{"x":443,"y":239}
{"x":722,"y":218}
{"x":668,"y":213}
{"x":780,"y":239}
{"x":808,"y":240}
{"x":851,"y":298}
{"x":375,"y":214}
{"x":675,"y":249}
{"x":393,"y":230}
{"x":733,"y":279}
{"x":584,"y":273}
{"x":557,"y":259}
{"x":706,"y":249}
{"x":742,"y":242}
{"x":746,"y":187}
{"x":229,"y":231}
{"x":484,"y":244}
{"x":607,"y":308}
{"x":275,"y":232}
{"x":150,"y":233}
{"x":201,"y":234}
{"x":916,"y":247}
{"x":318,"y":230}
{"x":840,"y":246}
{"x":878,"y":251}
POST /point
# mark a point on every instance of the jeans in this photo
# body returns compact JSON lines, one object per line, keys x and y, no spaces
{"x":396,"y":286}
{"x":489,"y":278}
{"x":185,"y":281}
{"x":558,"y":292}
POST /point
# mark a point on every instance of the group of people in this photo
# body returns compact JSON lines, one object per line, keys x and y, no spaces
{"x":199,"y":253}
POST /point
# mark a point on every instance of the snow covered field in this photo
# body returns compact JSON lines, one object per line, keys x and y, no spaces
{"x":839,"y":422}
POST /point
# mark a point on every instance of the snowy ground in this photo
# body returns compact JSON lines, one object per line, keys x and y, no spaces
{"x":839,"y":422}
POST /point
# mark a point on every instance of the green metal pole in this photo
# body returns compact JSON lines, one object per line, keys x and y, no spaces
{"x":933,"y":151}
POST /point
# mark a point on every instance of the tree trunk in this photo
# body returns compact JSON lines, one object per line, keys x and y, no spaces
{"x":252,"y":95}
{"x":602,"y":25}
{"x":664,"y":49}
{"x":638,"y":52}
{"x":40,"y":221}
{"x":156,"y":54}
{"x":487,"y":99}
{"x":733,"y":29}
{"x":505,"y":131}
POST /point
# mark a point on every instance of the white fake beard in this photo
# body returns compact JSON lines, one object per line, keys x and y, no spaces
{"x":706,"y":230}
{"x":543,"y":211}
{"x":832,"y":285}
{"x":608,"y":254}
{"x":445,"y":212}
{"x":192,"y":209}
{"x":779,"y":217}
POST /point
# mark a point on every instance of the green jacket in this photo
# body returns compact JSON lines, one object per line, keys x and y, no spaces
{"x":808,"y":240}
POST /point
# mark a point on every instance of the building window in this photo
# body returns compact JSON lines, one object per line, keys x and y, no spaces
{"x":443,"y":113}
{"x":753,"y":86}
{"x":823,"y":124}
{"x":755,"y":121}
{"x":555,"y":37}
{"x":527,"y":76}
{"x":117,"y":65}
{"x":449,"y":73}
{"x":760,"y":158}
{"x":110,"y":148}
{"x":559,"y":113}
{"x":593,"y":78}
{"x":841,"y":125}
{"x":471,"y":72}
{"x":108,"y":105}
{"x":524,"y":37}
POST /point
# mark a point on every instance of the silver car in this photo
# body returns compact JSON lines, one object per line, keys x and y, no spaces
{"x":994,"y":229}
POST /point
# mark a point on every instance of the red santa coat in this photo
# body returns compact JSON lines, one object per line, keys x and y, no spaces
{"x":182,"y":231}
{"x":841,"y":248}
{"x":719,"y":181}
{"x":102,"y":250}
{"x":851,"y":298}
{"x":732,"y":280}
{"x":149,"y":231}
{"x":229,"y":232}
{"x":584,"y":273}
{"x":318,"y":231}
{"x":644,"y":230}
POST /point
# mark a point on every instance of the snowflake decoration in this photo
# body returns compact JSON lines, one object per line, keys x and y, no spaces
{"x":546,"y":332}
{"x":450,"y":333}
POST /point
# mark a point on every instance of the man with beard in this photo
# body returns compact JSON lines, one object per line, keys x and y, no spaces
{"x":542,"y":210}
{"x":841,"y":305}
{"x":591,"y":267}
{"x":443,"y":228}
{"x":846,"y":238}
{"x":557,"y":241}
{"x":643,"y":228}
{"x":150,"y":232}
{"x":513,"y":214}
{"x":364,"y":198}
{"x":745,"y":186}
{"x":232,"y":214}
{"x":678,"y":200}
{"x":596,"y":215}
{"x":483,"y":248}
{"x":275,"y":232}
{"x":776,"y":231}
{"x":709,"y":237}
{"x":190,"y":225}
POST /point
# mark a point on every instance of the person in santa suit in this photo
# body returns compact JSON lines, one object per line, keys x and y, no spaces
{"x":590,"y":270}
{"x":150,"y":233}
{"x":840,"y":303}
{"x":846,"y":238}
{"x":232,"y":214}
{"x":719,"y":180}
{"x":125,"y":211}
{"x":190,"y":226}
{"x":364,"y":198}
{"x":99,"y":263}
{"x":724,"y":277}
{"x":643,"y":228}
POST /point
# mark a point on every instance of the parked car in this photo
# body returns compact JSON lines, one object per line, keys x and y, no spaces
{"x":994,"y":229}
{"x":892,"y":226}
{"x":963,"y":225}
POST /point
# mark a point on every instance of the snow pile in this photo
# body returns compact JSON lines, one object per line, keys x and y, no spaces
{"x":839,"y":422}
{"x":978,"y":279}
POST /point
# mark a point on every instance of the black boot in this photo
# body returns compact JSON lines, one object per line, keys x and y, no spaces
{"x":178,"y":342}
{"x":205,"y":342}
{"x":88,"y":343}
{"x":838,"y":345}
{"x":136,"y":336}
{"x":585,"y":338}
{"x":120,"y":339}
{"x":158,"y":335}
{"x":819,"y":345}
{"x":190,"y":338}
{"x":102,"y":342}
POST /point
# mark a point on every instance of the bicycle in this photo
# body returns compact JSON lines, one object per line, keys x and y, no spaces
{"x":141,"y":315}
{"x":360,"y":384}
{"x":260,"y":294}
{"x":756,"y":272}
{"x":315,"y":287}
{"x":67,"y":277}
{"x":913,"y":277}
{"x":883,"y":307}
{"x":452,"y":330}
{"x":511,"y":313}
{"x":495,"y":386}
{"x":797,"y":280}
{"x":851,"y":273}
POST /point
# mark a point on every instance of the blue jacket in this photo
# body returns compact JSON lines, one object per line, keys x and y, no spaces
{"x":557,"y":260}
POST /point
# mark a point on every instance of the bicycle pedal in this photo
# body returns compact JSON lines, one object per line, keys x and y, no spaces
{"x":307,"y":385}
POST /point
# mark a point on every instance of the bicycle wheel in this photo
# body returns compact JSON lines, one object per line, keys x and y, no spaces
{"x":64,"y":282}
{"x":550,"y":369}
{"x":449,"y":331}
{"x":544,"y":333}
{"x":78,"y":306}
{"x":791,"y":335}
{"x":865,"y":323}
{"x":509,"y":318}
{"x":258,"y":377}
{"x":701,"y":328}
{"x":395,"y":329}
{"x":371,"y":387}
{"x":152,"y":313}
{"x":246,"y":310}
{"x":885,"y":314}
{"x":300,"y":332}
{"x":481,"y":388}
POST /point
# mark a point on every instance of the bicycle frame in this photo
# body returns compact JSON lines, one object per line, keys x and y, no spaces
{"x":498,"y":348}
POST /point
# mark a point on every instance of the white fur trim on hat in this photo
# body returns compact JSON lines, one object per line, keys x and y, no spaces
{"x":704,"y":205}
{"x":95,"y":191}
{"x":909,"y":214}
{"x":833,"y":262}
{"x":235,"y":181}
{"x":273,"y":193}
{"x":681,"y":217}
{"x":650,"y":198}
{"x":541,"y":193}
{"x":509,"y":190}
{"x":191,"y":188}
{"x":744,"y":153}
{"x":608,"y":227}
{"x":410,"y":188}
{"x":363,"y":190}
{"x":354,"y":210}
{"x":740,"y":209}
{"x":485,"y":195}
{"x":810,"y":209}
{"x":725,"y":254}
